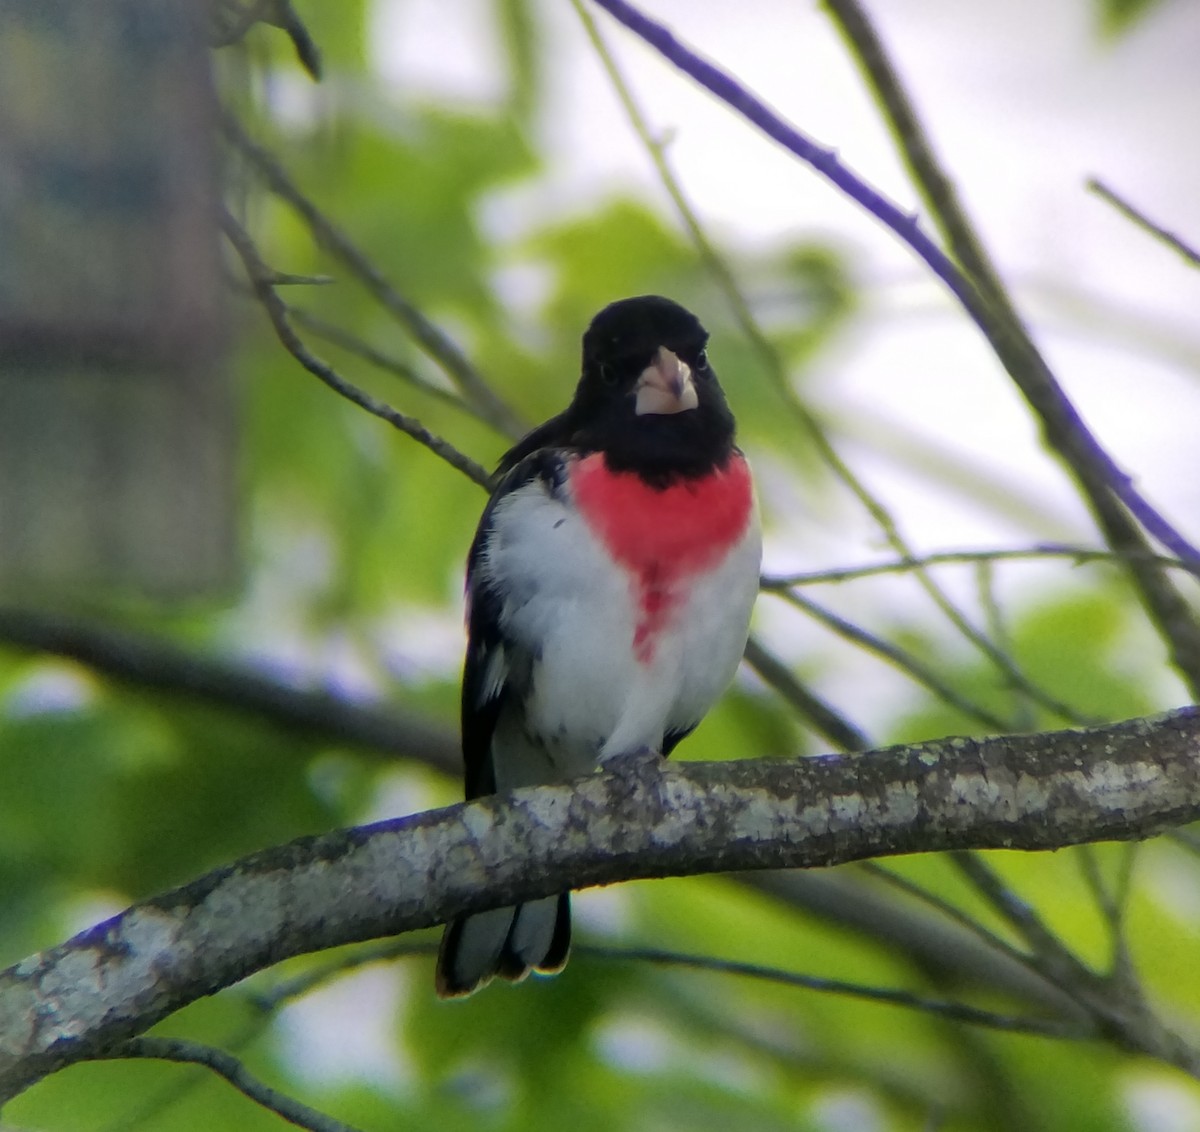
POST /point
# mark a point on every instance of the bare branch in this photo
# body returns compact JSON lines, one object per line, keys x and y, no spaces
{"x":646,"y":818}
{"x":1020,"y":915}
{"x":436,"y":344}
{"x":1112,"y":906}
{"x":1132,"y":212}
{"x":233,"y":19}
{"x":953,"y":1011}
{"x":903,"y":660}
{"x":148,"y":662}
{"x":1095,"y":469}
{"x":227,"y":1066}
{"x":1071,"y":1026}
{"x":261,"y":279}
{"x":825,"y":719}
{"x":337,"y":336}
{"x":941,"y":941}
{"x":932,"y":900}
{"x":1102,"y":482}
{"x":1079,"y":554}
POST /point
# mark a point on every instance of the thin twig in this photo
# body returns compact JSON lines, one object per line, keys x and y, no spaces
{"x":985,"y":578}
{"x":956,"y":1011}
{"x":299,"y":985}
{"x":1089,"y":866}
{"x":436,"y":344}
{"x":996,"y":316}
{"x":260,"y":275}
{"x":1112,"y":906}
{"x":152,"y":1103}
{"x":1116,"y":1000}
{"x":285,"y":17}
{"x":902,"y":659}
{"x":950,"y":911}
{"x":232,"y":24}
{"x":823,"y":717}
{"x":341,"y":338}
{"x":290,"y":279}
{"x":1132,"y":212}
{"x":1018,"y":914}
{"x":227,"y":1066}
{"x":1080,"y":554}
{"x":947,"y":947}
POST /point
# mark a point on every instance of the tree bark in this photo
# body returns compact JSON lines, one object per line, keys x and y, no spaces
{"x":642,"y":818}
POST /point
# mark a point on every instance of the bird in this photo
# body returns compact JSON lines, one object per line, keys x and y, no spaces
{"x":609,"y":591}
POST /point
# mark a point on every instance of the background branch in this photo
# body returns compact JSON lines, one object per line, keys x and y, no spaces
{"x":151,"y":663}
{"x":262,"y":279}
{"x":821,"y":716}
{"x":1101,"y":481}
{"x":232,"y":1070}
{"x":1132,"y":212}
{"x":435,"y":342}
{"x":1078,"y":554}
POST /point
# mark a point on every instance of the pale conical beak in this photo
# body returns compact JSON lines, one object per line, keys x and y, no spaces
{"x":665,"y":386}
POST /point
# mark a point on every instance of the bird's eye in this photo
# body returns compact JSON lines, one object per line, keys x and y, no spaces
{"x":608,"y":374}
{"x":702,"y":361}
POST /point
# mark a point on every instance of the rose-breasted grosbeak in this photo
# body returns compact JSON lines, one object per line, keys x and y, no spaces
{"x":609,"y":591}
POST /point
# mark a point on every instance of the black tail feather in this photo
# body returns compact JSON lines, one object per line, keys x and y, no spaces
{"x":477,"y":948}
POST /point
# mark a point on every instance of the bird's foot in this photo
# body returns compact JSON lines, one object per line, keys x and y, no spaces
{"x":637,"y":762}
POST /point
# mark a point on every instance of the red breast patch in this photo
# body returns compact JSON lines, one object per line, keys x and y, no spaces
{"x":663,"y":536}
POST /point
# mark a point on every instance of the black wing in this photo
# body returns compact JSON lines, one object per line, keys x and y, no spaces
{"x":494,"y":668}
{"x":555,"y":433}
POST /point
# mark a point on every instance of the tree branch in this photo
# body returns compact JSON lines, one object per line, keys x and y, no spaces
{"x":1108,"y":490}
{"x":1133,"y":213}
{"x":431,"y":338}
{"x":227,"y":1066}
{"x":953,"y":1011}
{"x":945,"y":944}
{"x":820,"y":715}
{"x":82,"y":999}
{"x":1095,"y":470}
{"x":232,"y":21}
{"x":263,"y":280}
{"x":1079,"y":555}
{"x":147,"y":662}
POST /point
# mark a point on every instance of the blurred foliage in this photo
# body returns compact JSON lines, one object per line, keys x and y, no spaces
{"x":1119,"y":17}
{"x":353,"y":541}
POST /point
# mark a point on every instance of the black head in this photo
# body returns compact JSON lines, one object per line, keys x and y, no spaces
{"x":648,"y":398}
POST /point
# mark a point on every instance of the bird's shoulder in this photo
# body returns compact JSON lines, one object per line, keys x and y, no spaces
{"x":542,"y":471}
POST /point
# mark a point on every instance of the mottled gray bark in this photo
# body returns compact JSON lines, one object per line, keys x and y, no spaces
{"x":83,"y":998}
